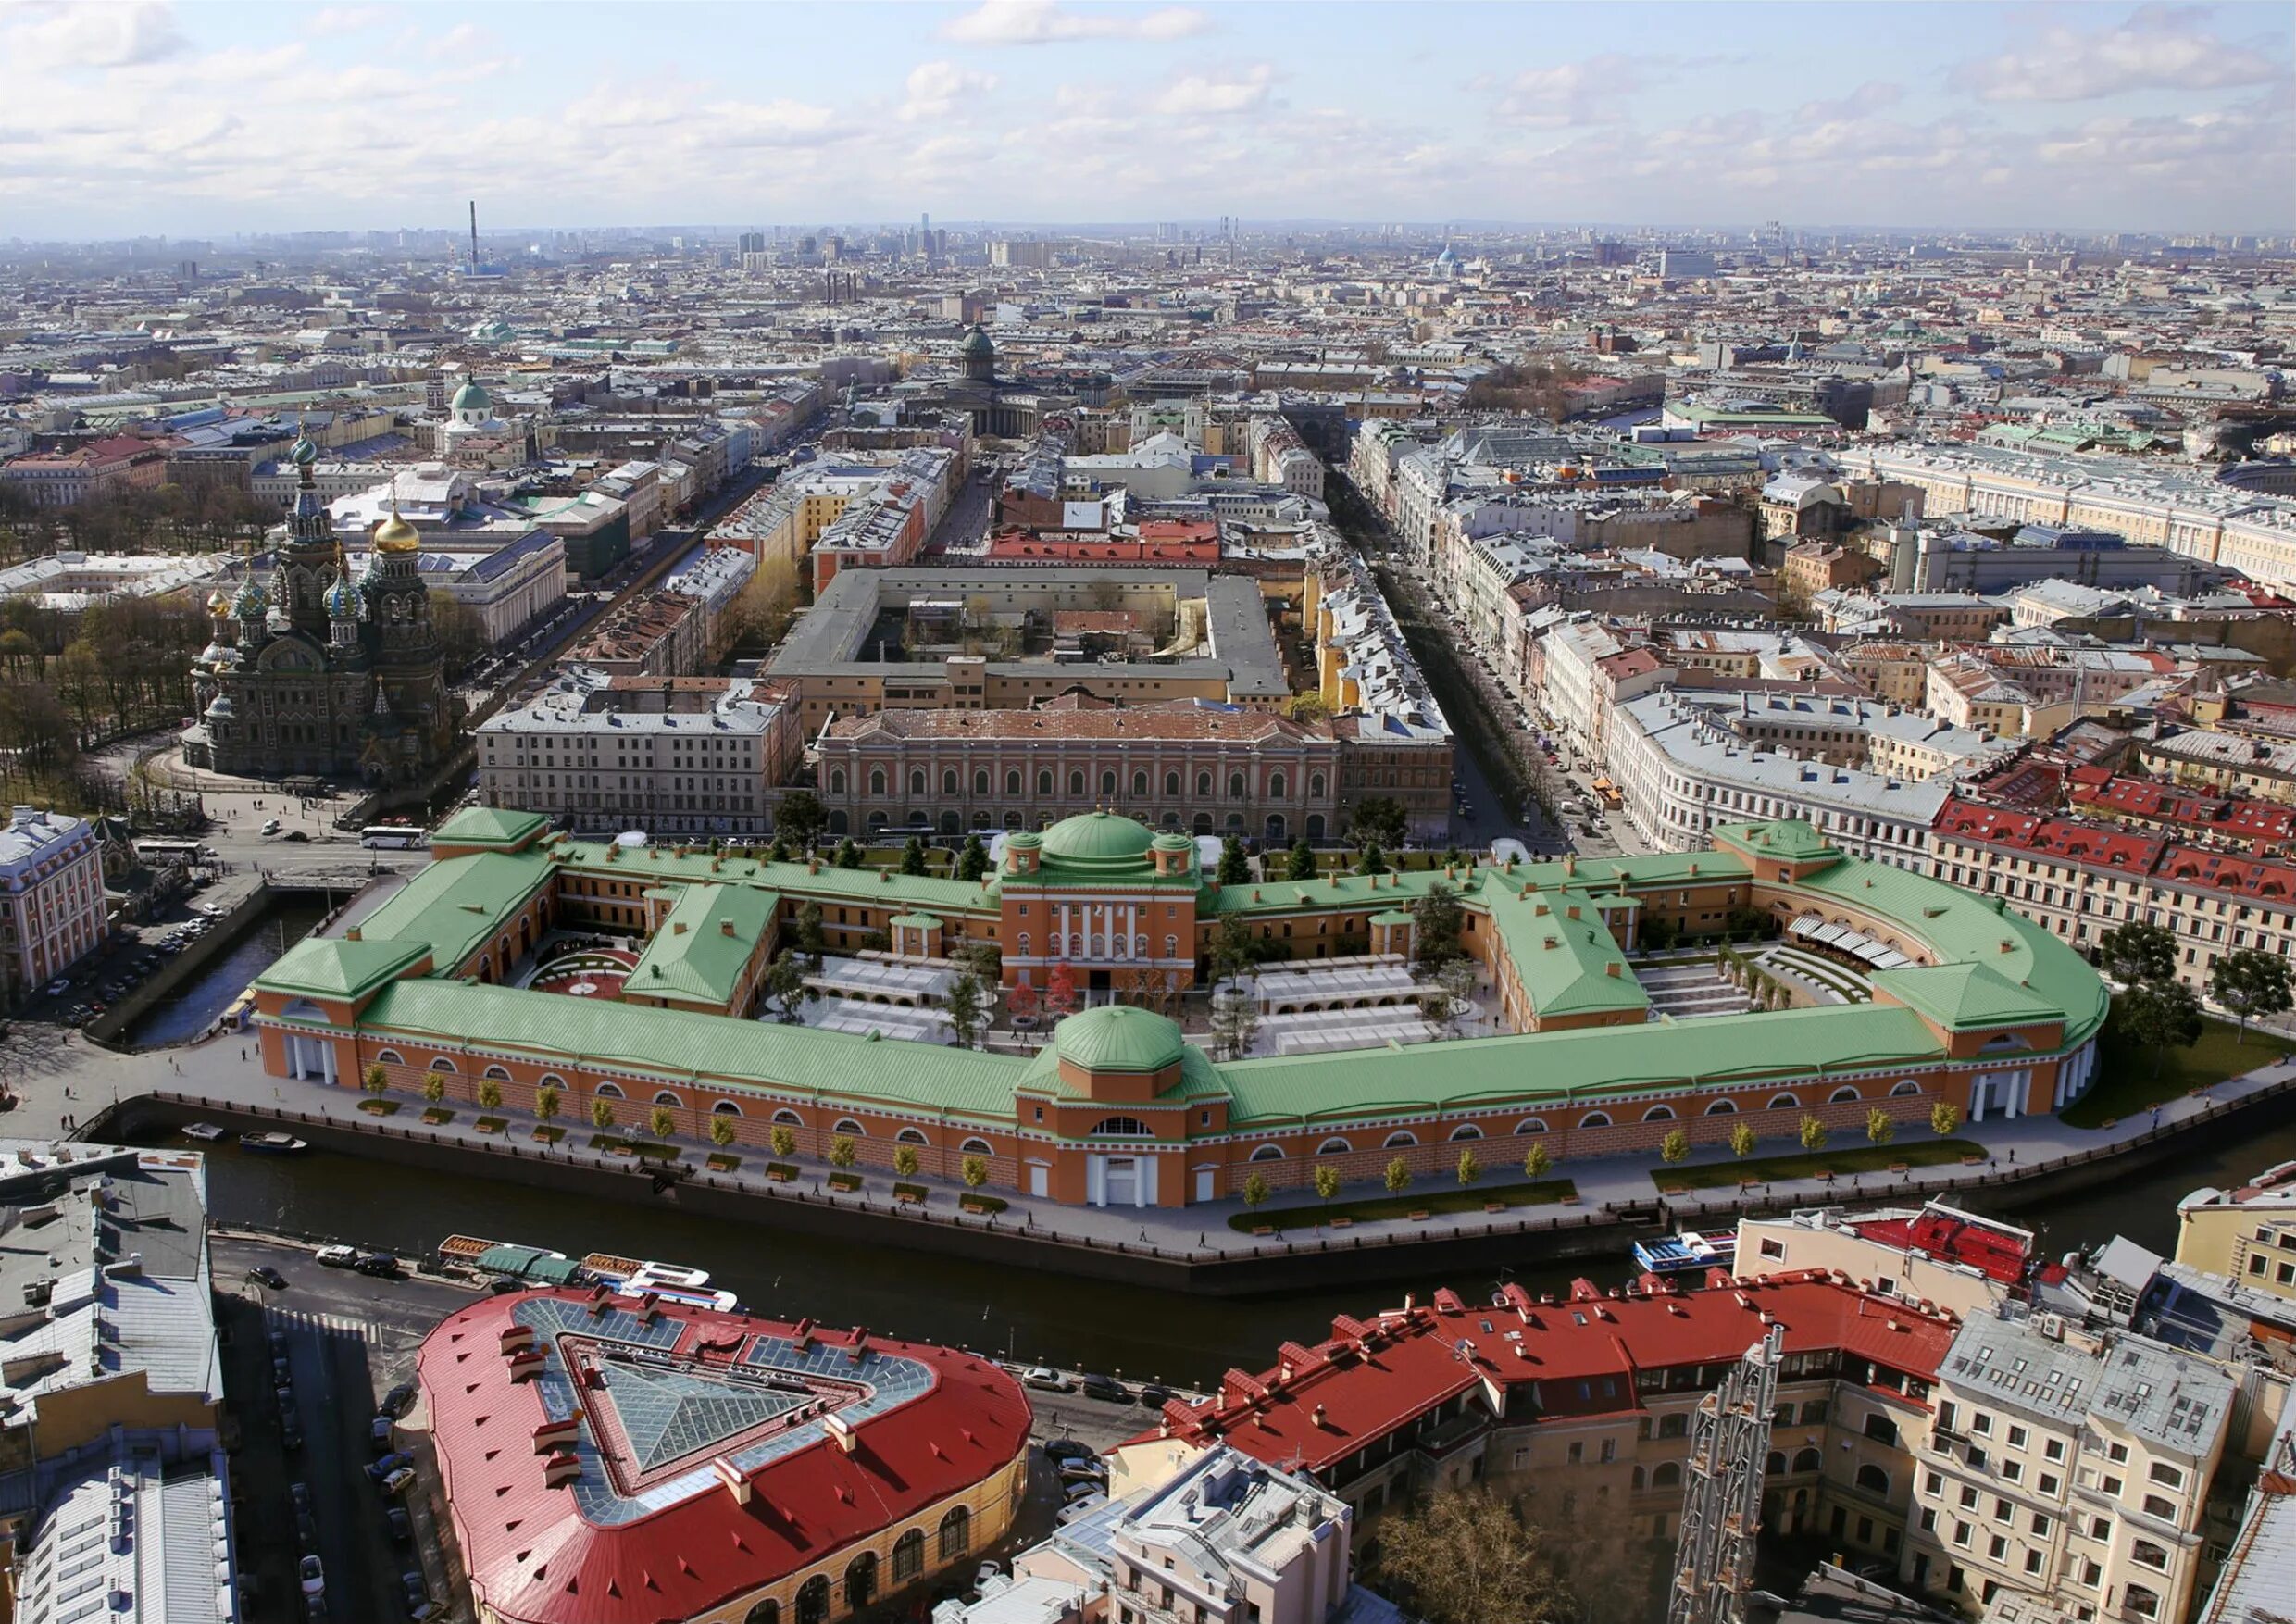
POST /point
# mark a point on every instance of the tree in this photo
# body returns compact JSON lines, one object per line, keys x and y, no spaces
{"x":546,"y":1100}
{"x":2250,"y":981}
{"x":1326,"y":1181}
{"x":1301,"y":863}
{"x":1379,"y":820}
{"x":1235,"y":1018}
{"x":905,"y":1160}
{"x":1742,"y":1139}
{"x":779,"y":850}
{"x":1470,"y":1166}
{"x":602,"y":1114}
{"x":1463,"y":1556}
{"x":1437,"y":918}
{"x":1398,"y":1176}
{"x":661,"y":1123}
{"x":843,"y":1152}
{"x":964,"y":1011}
{"x":1233,"y":869}
{"x":812,"y":941}
{"x":801,"y":817}
{"x":783,"y":1138}
{"x":974,"y":1170}
{"x":2137,"y":952}
{"x":2157,"y":1016}
{"x":1308,"y":707}
{"x":1538,"y":1161}
{"x":434,"y":1086}
{"x":785,"y":983}
{"x":1879,"y":1130}
{"x":1944,"y":1116}
{"x":1812,"y":1133}
{"x":1254,"y":1188}
{"x":1060,"y":991}
{"x":375,"y":1080}
{"x":848,"y":854}
{"x":1456,"y":982}
{"x":721,"y":1129}
{"x":1231,"y":948}
{"x":490,"y":1095}
{"x":1675,"y":1147}
{"x":972,"y":863}
{"x":912,"y":856}
{"x":1373,"y":860}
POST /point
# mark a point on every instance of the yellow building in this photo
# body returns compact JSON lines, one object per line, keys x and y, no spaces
{"x":2248,"y":1234}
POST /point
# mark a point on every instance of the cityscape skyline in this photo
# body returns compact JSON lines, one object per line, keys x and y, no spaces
{"x":150,"y":119}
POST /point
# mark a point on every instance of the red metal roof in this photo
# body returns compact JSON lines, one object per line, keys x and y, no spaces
{"x":1318,"y":1406}
{"x":533,"y":1556}
{"x":1999,"y":1252}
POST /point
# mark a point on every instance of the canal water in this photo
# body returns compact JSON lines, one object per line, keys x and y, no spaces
{"x":184,"y":1015}
{"x":1027,"y":1312}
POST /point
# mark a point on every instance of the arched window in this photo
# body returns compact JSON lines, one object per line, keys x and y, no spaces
{"x":1635,"y":1483}
{"x":1775,"y":1464}
{"x":1023,"y":942}
{"x":1881,"y":1430}
{"x":667,"y":1098}
{"x":847,"y":1125}
{"x":1107,"y":783}
{"x":910,"y":1136}
{"x":608,"y":1090}
{"x":499,"y":1073}
{"x":2151,"y":1554}
{"x":975,"y":1147}
{"x":1119,"y":1128}
{"x":1269,"y":1153}
{"x":956,"y":1533}
{"x":765,"y":1612}
{"x":1314,"y":786}
{"x":1666,"y":1474}
{"x":917,"y":780}
{"x":1043,"y":783}
{"x":877,"y":780}
{"x":948,"y":780}
{"x":1139,"y":784}
{"x":981,"y":782}
{"x":1466,"y":1131}
{"x":861,"y":1580}
{"x":1807,"y":1460}
{"x":837,"y":787}
{"x":725,"y":1109}
{"x":1783,"y":1102}
{"x":1721,"y":1109}
{"x":1872,"y":1478}
{"x":388,"y":1058}
{"x":1076,"y":784}
{"x":1659,"y":1114}
{"x":1235,"y":786}
{"x":1908,"y":1087}
{"x":1275,"y":786}
{"x":1333,"y":1148}
{"x":1532,"y":1125}
{"x":1171,"y":783}
{"x":1012,"y":783}
{"x":552,"y":1080}
{"x":909,"y":1557}
{"x":1399,"y":1138}
{"x":1595,"y":1119}
{"x":1203,"y":783}
{"x":812,"y":1600}
{"x":443,"y":1064}
{"x":2143,"y":1602}
{"x":1844,"y":1092}
{"x":789,"y":1118}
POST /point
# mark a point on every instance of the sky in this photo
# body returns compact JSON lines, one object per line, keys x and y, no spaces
{"x":143,"y":117}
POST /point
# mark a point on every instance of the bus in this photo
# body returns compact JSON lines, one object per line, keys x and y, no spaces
{"x":180,"y":852}
{"x":392,"y":836}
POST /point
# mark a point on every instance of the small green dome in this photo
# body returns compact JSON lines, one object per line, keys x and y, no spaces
{"x":1119,"y":1038}
{"x":302,"y":453}
{"x":342,"y":601}
{"x":471,"y":398}
{"x":1100,"y":840}
{"x":977,"y":344}
{"x":1173,"y":842}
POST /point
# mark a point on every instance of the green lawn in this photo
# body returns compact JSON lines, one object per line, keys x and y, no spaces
{"x":1373,"y":1210}
{"x":2127,"y":1081}
{"x":1851,"y":1158}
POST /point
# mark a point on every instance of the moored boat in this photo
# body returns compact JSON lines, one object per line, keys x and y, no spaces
{"x":277,"y":1145}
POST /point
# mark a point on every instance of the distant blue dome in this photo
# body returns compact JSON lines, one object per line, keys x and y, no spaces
{"x":252,"y":601}
{"x":343,"y":603}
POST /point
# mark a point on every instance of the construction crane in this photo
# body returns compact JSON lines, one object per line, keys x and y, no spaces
{"x":1722,"y":1498}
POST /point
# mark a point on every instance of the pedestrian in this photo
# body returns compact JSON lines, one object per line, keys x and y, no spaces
{"x":2013,"y":1155}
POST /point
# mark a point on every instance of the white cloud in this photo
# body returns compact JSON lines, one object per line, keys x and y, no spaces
{"x":938,"y":90}
{"x":333,"y":21}
{"x":1044,"y":22}
{"x":1572,"y":93}
{"x":49,"y":37}
{"x":2160,"y":47}
{"x":1199,"y":96}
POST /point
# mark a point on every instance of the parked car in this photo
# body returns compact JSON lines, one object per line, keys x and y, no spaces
{"x":395,"y":1461}
{"x":290,"y":1434}
{"x":338,"y":1257}
{"x":312,"y":1573}
{"x":1058,"y":1449}
{"x":1074,"y":1493}
{"x":262,"y":1274}
{"x":1047,"y":1380}
{"x":382,"y":1434}
{"x":417,"y":1595}
{"x":1108,"y":1389}
{"x":398,"y":1401}
{"x":1153,"y":1397}
{"x":1083,"y":1471}
{"x":399,"y":1481}
{"x":381,"y":1264}
{"x":285,"y":1392}
{"x":400,"y":1527}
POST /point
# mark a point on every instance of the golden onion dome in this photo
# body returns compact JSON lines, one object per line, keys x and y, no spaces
{"x":218,"y":602}
{"x":395,"y":535}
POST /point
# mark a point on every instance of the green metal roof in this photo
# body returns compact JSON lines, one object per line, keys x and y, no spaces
{"x":692,"y":955}
{"x":1960,"y":997}
{"x":1790,"y":841}
{"x":1566,"y":966}
{"x":1098,"y":837}
{"x":490,"y":825}
{"x":328,"y":966}
{"x":454,"y":904}
{"x":689,"y":1047}
{"x":875,"y":887}
{"x":1560,"y":1068}
{"x":1119,"y":1038}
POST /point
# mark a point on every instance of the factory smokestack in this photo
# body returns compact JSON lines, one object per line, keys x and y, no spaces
{"x":474,"y":236}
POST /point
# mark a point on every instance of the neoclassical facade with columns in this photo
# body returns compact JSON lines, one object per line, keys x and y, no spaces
{"x":1960,"y":1000}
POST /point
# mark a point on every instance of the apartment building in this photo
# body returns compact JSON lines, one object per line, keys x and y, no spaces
{"x":668,"y":755}
{"x":2246,"y":1235}
{"x":52,"y":910}
{"x":2067,"y":1464}
{"x":1939,"y":1254}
